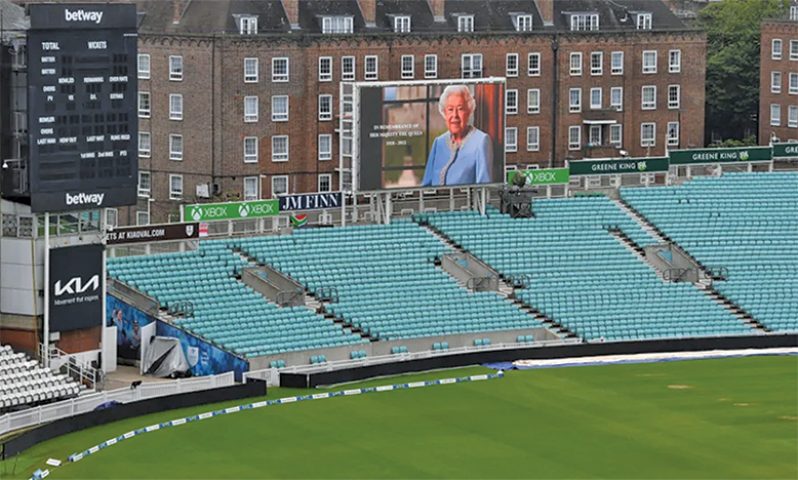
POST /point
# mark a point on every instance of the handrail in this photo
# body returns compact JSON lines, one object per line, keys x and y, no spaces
{"x":286,"y":298}
{"x":520,"y":280}
{"x":78,"y":371}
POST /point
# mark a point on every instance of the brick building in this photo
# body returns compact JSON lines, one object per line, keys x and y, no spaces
{"x":239,"y":99}
{"x":778,"y":79}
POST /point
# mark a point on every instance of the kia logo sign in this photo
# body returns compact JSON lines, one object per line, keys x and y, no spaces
{"x":77,"y":285}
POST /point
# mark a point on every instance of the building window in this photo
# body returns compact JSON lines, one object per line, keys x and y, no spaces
{"x":594,"y":136}
{"x":325,"y":107}
{"x":408,"y":62}
{"x":511,"y":65}
{"x":280,"y":69}
{"x":248,"y":25}
{"x":775,"y":115}
{"x":793,"y":84}
{"x":280,"y":108}
{"x":337,"y":24}
{"x":347,"y":68}
{"x":175,"y":106}
{"x":582,"y":22}
{"x":250,"y":109}
{"x":250,"y":70}
{"x":176,"y":68}
{"x":142,"y":218}
{"x":465,"y":23}
{"x":532,"y":139}
{"x":523,"y":23}
{"x":616,"y":98}
{"x":650,"y":61}
{"x":144,"y":65}
{"x":616,"y":61}
{"x":576,"y":63}
{"x":401,"y":24}
{"x":111,"y":217}
{"x":279,"y":185}
{"x":649,"y":98}
{"x":175,"y":187}
{"x":575,"y":100}
{"x":325,"y":182}
{"x":145,"y":144}
{"x":144,"y":104}
{"x":644,"y":21}
{"x":793,"y":49}
{"x":251,"y":188}
{"x":144,"y":184}
{"x":595,"y":98}
{"x":250,"y":149}
{"x":533,"y":65}
{"x":674,"y":96}
{"x":674,"y":61}
{"x":175,"y":147}
{"x":533,"y":100}
{"x":325,"y":146}
{"x":325,"y":69}
{"x":616,"y":135}
{"x":776,"y":49}
{"x":511,"y":102}
{"x":673,"y":134}
{"x":371,"y":71}
{"x":794,"y":13}
{"x":596,"y":63}
{"x":792,"y":116}
{"x":648,"y":134}
{"x":471,"y":65}
{"x":574,"y":137}
{"x":511,"y":139}
{"x":430,"y":66}
{"x":280,"y":148}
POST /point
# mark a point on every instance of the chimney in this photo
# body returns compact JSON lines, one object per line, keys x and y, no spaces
{"x":438,"y":9}
{"x":291,"y":8}
{"x":369,"y":10}
{"x":546,"y":9}
{"x":178,"y":9}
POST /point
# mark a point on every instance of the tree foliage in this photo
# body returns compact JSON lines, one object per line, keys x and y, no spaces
{"x":733,"y":42}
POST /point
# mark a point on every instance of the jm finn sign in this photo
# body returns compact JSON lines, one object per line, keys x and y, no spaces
{"x":310,"y":201}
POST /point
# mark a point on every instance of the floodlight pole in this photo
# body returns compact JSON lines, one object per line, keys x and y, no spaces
{"x":46,"y":315}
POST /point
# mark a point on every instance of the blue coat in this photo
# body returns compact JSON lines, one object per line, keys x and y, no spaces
{"x":468,"y":165}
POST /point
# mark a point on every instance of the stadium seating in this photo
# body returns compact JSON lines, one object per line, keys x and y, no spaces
{"x":744,"y":222}
{"x":583,"y":277}
{"x":226,"y":311}
{"x":386,"y":281}
{"x":23,"y":383}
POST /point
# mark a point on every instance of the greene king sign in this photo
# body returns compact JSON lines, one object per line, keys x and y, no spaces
{"x":617,"y":166}
{"x":208,"y":212}
{"x":785,"y":150}
{"x":721,"y":155}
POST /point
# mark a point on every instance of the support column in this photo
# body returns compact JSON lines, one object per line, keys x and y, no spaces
{"x":388,"y":211}
{"x":46,"y":316}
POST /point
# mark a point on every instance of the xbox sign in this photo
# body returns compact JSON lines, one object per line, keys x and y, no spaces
{"x":209,"y":212}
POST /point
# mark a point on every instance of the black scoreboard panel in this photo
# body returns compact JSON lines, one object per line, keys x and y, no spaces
{"x":82,"y":106}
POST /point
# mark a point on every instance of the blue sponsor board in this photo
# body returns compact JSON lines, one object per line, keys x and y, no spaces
{"x":128,"y":321}
{"x":204,"y":358}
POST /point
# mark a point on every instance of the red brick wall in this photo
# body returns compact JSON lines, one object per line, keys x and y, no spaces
{"x":785,"y":31}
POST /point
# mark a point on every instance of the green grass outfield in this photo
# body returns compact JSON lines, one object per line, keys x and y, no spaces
{"x":731,"y":418}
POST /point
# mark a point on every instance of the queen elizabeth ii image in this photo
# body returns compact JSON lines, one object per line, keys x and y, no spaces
{"x":463,"y":155}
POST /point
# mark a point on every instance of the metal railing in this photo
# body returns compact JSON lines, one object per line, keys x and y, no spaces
{"x":55,"y":411}
{"x":76,"y":369}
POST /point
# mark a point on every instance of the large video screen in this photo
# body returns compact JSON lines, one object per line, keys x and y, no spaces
{"x":428,"y":135}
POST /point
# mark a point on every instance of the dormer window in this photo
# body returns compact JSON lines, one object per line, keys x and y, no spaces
{"x":337,"y":24}
{"x":248,"y":25}
{"x":522,"y":23}
{"x":583,"y":22}
{"x":401,"y":24}
{"x":794,"y":13}
{"x":465,"y":23}
{"x":643,"y":21}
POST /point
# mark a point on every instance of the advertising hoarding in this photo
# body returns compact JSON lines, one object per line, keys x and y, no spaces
{"x":310,"y":201}
{"x":207,"y":212}
{"x":785,"y":150}
{"x":615,"y":166}
{"x":152,"y":233}
{"x":429,"y":134}
{"x":721,"y":155}
{"x":543,"y":176}
{"x":76,"y":287}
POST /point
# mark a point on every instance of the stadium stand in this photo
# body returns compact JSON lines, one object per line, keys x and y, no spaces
{"x":24,"y":384}
{"x":746,"y":223}
{"x":584,"y":277}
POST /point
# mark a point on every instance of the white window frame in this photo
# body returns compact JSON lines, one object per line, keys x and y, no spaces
{"x":649,"y":68}
{"x":651,"y":104}
{"x":248,"y":25}
{"x":575,"y":64}
{"x":141,"y":191}
{"x":144,"y":97}
{"x":471,"y":71}
{"x":533,"y":66}
{"x":511,"y":139}
{"x":595,"y":71}
{"x":111,"y":217}
{"x":511,"y":101}
{"x":251,"y":116}
{"x":673,"y":127}
{"x":175,"y":68}
{"x":675,"y":61}
{"x":175,"y":194}
{"x":280,"y":157}
{"x":511,"y":65}
{"x":648,"y":142}
{"x":279,"y":77}
{"x":408,"y":66}
{"x":465,"y":23}
{"x":593,"y":104}
{"x":793,"y":83}
{"x":793,"y":50}
{"x":256,"y":194}
{"x":175,"y":106}
{"x":175,"y":140}
{"x":794,"y":13}
{"x":594,"y":136}
{"x":141,"y":72}
{"x":775,"y":115}
{"x":430,"y":66}
{"x":584,"y":22}
{"x":323,"y":155}
{"x":533,"y":107}
{"x":523,"y":23}
{"x":250,"y":157}
{"x":325,"y":116}
{"x":273,"y":181}
{"x":792,"y":116}
{"x":674,"y":104}
{"x":279,"y":116}
{"x":369,"y":74}
{"x":574,"y":103}
{"x":616,"y":69}
{"x":142,"y":217}
{"x":145,"y":147}
{"x":253,"y":63}
{"x":325,"y":69}
{"x":643,"y":21}
{"x":617,"y":127}
{"x":348,"y":68}
{"x":337,"y":24}
{"x":328,"y":178}
{"x":574,"y":137}
{"x":616,"y":92}
{"x":776,"y":49}
{"x":401,"y":24}
{"x":532,"y":139}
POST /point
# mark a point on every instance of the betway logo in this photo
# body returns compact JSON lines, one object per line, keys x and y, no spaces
{"x":85,"y":198}
{"x":83,"y":16}
{"x":76,"y":285}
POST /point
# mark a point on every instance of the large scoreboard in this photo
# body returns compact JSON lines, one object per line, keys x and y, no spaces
{"x":82,"y":106}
